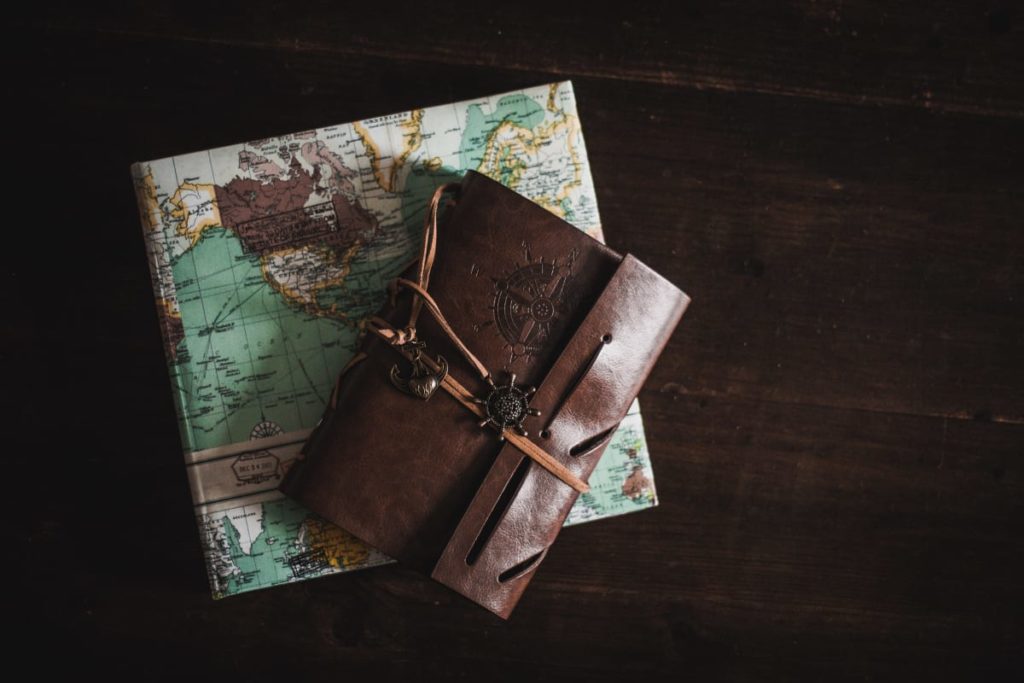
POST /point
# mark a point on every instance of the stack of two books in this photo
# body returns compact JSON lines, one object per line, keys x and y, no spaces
{"x":267,"y":257}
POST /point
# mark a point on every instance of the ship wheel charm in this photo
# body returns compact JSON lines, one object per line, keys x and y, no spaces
{"x":422,"y":382}
{"x":507,"y":406}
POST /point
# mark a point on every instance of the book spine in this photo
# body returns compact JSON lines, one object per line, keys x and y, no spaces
{"x":153,"y":235}
{"x":147,"y":201}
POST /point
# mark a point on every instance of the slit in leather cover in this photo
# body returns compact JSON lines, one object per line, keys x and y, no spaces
{"x":521,"y":568}
{"x":588,"y":445}
{"x":605,"y":341}
{"x":504,"y":500}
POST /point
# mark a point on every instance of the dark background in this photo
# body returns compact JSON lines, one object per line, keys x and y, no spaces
{"x":836,"y":428}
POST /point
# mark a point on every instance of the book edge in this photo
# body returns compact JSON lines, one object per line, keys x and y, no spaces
{"x":239,"y":143}
{"x":138,"y":171}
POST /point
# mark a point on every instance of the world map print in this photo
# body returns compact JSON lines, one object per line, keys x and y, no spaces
{"x":266,"y":259}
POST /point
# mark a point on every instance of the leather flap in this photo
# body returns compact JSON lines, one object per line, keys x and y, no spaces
{"x":519,"y":508}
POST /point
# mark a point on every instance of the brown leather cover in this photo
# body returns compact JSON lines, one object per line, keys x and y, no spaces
{"x":421,"y":480}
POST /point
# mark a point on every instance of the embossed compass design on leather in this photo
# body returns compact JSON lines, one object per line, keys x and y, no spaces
{"x":529,"y":302}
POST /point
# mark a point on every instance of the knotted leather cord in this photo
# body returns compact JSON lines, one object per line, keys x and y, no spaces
{"x":398,"y":338}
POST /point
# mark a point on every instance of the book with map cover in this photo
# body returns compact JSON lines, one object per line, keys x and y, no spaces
{"x":267,"y":256}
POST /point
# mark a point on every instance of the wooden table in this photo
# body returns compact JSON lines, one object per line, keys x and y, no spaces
{"x":837,"y":427}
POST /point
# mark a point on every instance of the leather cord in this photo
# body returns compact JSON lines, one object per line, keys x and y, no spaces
{"x":429,"y":250}
{"x":435,"y":310}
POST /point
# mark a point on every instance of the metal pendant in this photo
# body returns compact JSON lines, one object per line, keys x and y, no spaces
{"x":422,"y":382}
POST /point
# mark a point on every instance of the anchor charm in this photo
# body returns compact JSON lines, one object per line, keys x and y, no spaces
{"x":422,"y":382}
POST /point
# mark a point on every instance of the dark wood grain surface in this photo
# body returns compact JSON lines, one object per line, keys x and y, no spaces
{"x":837,"y":426}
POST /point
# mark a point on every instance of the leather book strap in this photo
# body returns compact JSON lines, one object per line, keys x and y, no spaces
{"x":517,"y":512}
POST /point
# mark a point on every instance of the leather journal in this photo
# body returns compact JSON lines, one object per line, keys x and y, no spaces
{"x":485,"y":391}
